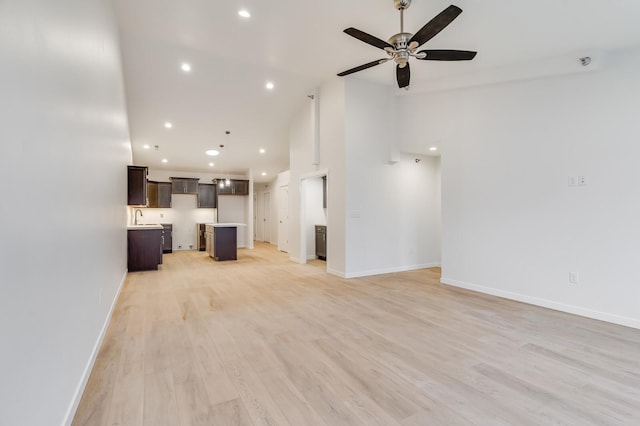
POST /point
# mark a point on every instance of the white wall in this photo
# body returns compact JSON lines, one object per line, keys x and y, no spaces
{"x":64,"y":150}
{"x":511,"y":224}
{"x":392,"y":208}
{"x":234,"y":209}
{"x":331,"y":129}
{"x":382,"y":216}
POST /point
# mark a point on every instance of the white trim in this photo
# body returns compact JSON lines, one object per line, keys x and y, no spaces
{"x":571,"y":309}
{"x":311,"y":257}
{"x":391,"y":270}
{"x":71,"y":411}
{"x":336,"y":272}
{"x":317,"y":173}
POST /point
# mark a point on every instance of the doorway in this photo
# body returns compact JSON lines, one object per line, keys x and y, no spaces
{"x":262,"y":217}
{"x":283,"y":218}
{"x":314,"y":216}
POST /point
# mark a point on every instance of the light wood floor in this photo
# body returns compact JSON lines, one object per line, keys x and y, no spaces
{"x":265,"y":341}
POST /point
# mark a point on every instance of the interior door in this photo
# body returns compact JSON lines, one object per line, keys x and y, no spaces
{"x":266,"y":217}
{"x":283,"y":218}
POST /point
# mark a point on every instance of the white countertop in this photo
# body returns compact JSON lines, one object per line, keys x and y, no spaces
{"x":144,"y":227}
{"x":226,"y":225}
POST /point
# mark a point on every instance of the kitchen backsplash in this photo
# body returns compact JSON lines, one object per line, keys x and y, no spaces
{"x":183,"y":215}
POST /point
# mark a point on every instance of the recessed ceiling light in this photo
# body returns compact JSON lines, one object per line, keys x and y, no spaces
{"x":433,"y":148}
{"x":269,"y":85}
{"x":244,"y":13}
{"x":212,"y":152}
{"x":185,"y":67}
{"x":264,"y":173}
{"x":262,"y":151}
{"x":211,"y":164}
{"x":168,"y":125}
{"x":145,"y":146}
{"x":164,"y":160}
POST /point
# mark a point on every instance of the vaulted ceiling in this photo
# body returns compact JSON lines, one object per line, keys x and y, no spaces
{"x":298,"y":45}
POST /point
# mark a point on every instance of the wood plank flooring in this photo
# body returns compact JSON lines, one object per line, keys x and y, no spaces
{"x":265,"y":341}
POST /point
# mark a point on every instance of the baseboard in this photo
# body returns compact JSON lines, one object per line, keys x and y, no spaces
{"x":545,"y":303}
{"x":311,"y":257}
{"x":336,"y":273}
{"x":71,"y":412}
{"x":390,"y":270}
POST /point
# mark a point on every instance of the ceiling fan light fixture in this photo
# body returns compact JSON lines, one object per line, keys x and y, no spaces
{"x":402,"y":46}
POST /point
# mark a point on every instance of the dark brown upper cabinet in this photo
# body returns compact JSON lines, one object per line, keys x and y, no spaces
{"x":159,"y":194}
{"x":137,"y":185}
{"x":236,"y":187}
{"x":184,"y":185}
{"x":206,"y":195}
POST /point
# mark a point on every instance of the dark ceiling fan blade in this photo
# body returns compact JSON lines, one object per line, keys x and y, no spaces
{"x":363,"y":67}
{"x":367,"y":38}
{"x":447,"y":55}
{"x":434,"y":26}
{"x":403,"y":75}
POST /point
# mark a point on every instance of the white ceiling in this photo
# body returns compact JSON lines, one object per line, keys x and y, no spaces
{"x":299,"y":44}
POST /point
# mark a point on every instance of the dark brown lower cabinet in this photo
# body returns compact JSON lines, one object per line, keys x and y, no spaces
{"x":144,"y":249}
{"x":167,"y":238}
{"x":321,"y":242}
{"x":225,"y":243}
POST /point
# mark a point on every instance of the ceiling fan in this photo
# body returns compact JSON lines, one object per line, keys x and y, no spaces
{"x":403,"y":46}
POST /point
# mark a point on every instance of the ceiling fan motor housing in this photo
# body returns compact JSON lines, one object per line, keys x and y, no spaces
{"x":402,"y":4}
{"x":401,"y":53}
{"x":400,"y":41}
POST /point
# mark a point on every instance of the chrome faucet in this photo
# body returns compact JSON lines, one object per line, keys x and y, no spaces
{"x":135,"y":222}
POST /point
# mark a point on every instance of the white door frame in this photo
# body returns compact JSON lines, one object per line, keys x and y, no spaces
{"x":283,"y":228}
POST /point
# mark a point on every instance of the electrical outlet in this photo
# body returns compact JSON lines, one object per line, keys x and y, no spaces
{"x":179,"y":246}
{"x":190,"y":246}
{"x":582,"y":180}
{"x":573,"y":277}
{"x":571,"y":181}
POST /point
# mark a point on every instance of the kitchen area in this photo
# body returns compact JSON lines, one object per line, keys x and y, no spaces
{"x":177,"y":211}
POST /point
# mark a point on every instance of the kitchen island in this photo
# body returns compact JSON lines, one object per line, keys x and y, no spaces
{"x":221,"y":240}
